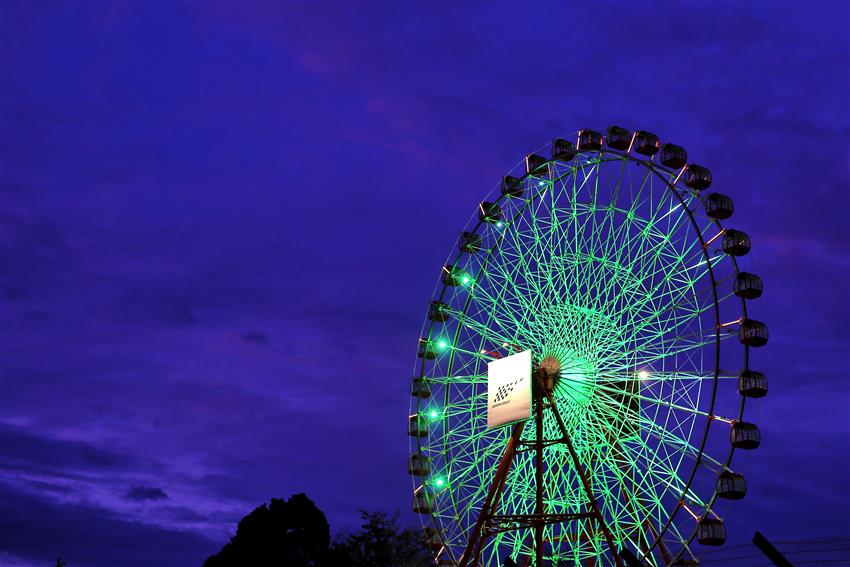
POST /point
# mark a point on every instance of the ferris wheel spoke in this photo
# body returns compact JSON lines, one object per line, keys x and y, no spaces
{"x":504,"y":303}
{"x":680,"y":445}
{"x":674,"y":481}
{"x":665,"y":274}
{"x":488,"y":337}
{"x":636,"y":503}
{"x":605,"y":415}
{"x":673,"y":374}
{"x":683,"y":347}
{"x":668,"y":272}
{"x":651,"y":485}
{"x":615,"y":393}
{"x":649,"y":334}
{"x":532,"y":287}
{"x":656,"y":465}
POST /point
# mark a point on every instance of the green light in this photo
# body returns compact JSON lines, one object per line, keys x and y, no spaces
{"x":465,"y":279}
{"x":499,"y":225}
{"x":442,"y":344}
{"x":440,"y":482}
{"x":434,"y":414}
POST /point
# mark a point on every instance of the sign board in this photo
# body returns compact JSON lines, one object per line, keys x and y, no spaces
{"x":509,"y":389}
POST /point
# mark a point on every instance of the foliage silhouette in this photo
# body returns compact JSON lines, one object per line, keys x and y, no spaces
{"x":292,"y":533}
{"x":295,"y":533}
{"x":382,"y":543}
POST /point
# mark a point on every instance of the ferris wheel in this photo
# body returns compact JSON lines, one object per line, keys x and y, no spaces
{"x":607,"y":263}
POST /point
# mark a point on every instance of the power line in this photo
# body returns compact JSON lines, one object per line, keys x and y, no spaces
{"x":832,"y":551}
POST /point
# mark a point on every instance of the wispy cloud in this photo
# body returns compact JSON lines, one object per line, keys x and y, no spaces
{"x":141,"y":493}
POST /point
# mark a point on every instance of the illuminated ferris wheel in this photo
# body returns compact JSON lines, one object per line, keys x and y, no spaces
{"x":606,"y":265}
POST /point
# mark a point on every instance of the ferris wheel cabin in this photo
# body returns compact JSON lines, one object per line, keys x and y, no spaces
{"x":427,"y":349}
{"x":470,"y":242}
{"x":419,"y":465}
{"x":422,"y":502}
{"x":618,"y":138}
{"x":589,"y":140}
{"x":453,"y":276}
{"x":698,"y":177}
{"x":747,"y":285}
{"x":673,"y":156}
{"x":753,"y":333}
{"x":511,"y":186}
{"x":563,"y":150}
{"x":745,"y":435}
{"x":735,"y":242}
{"x":752,"y":384}
{"x":420,"y":389}
{"x":711,"y":531}
{"x":438,"y":312}
{"x":647,"y":143}
{"x":417,"y":426}
{"x":731,"y":486}
{"x":432,"y":539}
{"x":718,"y":206}
{"x":536,"y":166}
{"x":490,"y":213}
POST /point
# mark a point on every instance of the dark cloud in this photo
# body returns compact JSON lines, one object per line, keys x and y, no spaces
{"x":256,"y":337}
{"x":13,"y":293}
{"x":141,"y":493}
{"x":40,"y":530}
{"x":23,"y":450}
{"x":36,"y":314}
{"x":183,"y":316}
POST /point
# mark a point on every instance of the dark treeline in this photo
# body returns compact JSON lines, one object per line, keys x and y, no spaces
{"x":295,"y":533}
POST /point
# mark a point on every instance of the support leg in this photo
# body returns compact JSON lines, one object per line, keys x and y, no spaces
{"x":538,"y":509}
{"x":585,"y":481}
{"x":476,"y":538}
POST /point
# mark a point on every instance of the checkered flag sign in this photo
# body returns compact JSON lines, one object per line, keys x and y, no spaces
{"x":509,"y":389}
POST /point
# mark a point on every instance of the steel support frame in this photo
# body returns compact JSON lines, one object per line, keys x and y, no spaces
{"x":489,"y":523}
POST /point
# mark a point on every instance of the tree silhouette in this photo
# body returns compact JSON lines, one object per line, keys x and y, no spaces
{"x":290,"y":532}
{"x":295,"y":533}
{"x":382,"y":543}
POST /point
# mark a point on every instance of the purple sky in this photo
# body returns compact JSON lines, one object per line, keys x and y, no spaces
{"x":220,"y":227}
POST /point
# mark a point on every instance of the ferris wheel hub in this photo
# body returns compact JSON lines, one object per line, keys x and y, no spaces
{"x":548,"y":373}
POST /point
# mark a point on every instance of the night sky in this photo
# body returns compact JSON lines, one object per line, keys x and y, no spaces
{"x":220,"y":227}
